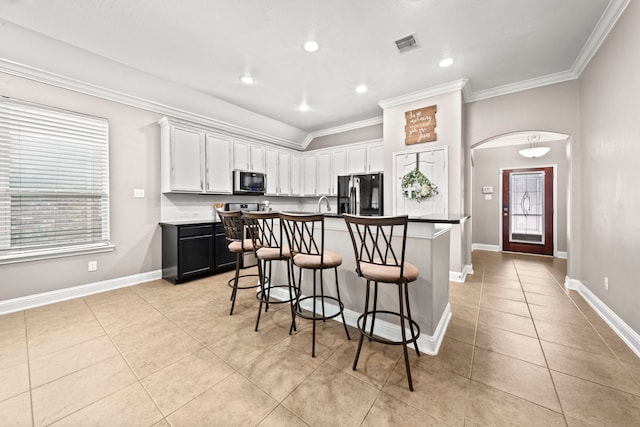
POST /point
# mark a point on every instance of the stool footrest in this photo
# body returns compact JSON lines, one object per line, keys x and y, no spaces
{"x":318,"y":316}
{"x":260,"y":295}
{"x":379,"y":339}
{"x":232,"y":280}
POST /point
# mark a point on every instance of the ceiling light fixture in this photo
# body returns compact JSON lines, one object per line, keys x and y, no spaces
{"x":304,"y":107}
{"x":246,"y":79}
{"x":361,"y":89}
{"x":534,"y":150}
{"x":311,"y":46}
{"x":446,"y":62}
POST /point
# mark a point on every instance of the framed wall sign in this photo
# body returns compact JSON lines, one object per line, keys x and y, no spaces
{"x":420,"y":125}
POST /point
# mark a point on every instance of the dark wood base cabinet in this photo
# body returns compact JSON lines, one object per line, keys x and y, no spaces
{"x":191,"y":251}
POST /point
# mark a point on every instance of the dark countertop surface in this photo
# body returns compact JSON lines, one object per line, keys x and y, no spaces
{"x":193,"y":221}
{"x":432,"y":218}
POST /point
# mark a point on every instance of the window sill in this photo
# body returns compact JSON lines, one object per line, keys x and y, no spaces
{"x":55,"y":253}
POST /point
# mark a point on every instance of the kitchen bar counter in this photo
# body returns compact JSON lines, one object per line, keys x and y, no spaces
{"x":427,"y":249}
{"x":429,"y":219}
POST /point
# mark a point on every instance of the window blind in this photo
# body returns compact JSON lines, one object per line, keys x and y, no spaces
{"x":54,"y":180}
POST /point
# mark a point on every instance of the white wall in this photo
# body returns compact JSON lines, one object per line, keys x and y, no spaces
{"x":609,"y":164}
{"x":134,"y":151}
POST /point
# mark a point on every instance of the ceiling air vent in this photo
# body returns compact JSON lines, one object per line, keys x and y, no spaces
{"x":406,"y":43}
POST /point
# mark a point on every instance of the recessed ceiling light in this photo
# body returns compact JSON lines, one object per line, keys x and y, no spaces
{"x":304,"y":107}
{"x":311,"y":46}
{"x":445,"y":62}
{"x":361,"y":89}
{"x":246,"y":79}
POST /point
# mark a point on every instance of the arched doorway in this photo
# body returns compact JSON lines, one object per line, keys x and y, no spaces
{"x":520,"y":203}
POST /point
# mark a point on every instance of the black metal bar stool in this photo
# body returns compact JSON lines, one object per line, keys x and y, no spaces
{"x":379,"y":245}
{"x":234,"y":231}
{"x":266,"y":234}
{"x":305,"y":235}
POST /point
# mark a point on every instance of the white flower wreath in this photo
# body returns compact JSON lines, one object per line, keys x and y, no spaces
{"x":416,"y":186}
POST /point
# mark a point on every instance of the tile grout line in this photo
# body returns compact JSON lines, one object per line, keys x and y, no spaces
{"x":555,"y":389}
{"x":26,"y":339}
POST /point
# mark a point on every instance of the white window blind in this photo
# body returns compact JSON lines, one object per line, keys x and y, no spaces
{"x":54,"y":181}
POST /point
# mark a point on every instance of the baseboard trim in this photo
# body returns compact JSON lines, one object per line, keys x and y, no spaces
{"x":561,"y":254}
{"x":483,"y":247}
{"x":619,"y":326}
{"x":44,"y":298}
{"x":428,"y":344}
{"x":461,"y":276}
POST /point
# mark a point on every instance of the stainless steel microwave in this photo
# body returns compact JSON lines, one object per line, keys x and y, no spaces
{"x":245,"y":182}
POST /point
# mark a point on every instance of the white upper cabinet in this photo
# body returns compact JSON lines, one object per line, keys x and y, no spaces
{"x":357,"y":159}
{"x":258,"y":158}
{"x":218,"y":172}
{"x":338,"y":167}
{"x":194,"y":161}
{"x":181,"y":158}
{"x":295,"y":179}
{"x":365,"y":158}
{"x":323,"y":174}
{"x":248,"y":156}
{"x":284,"y":169}
{"x":271,"y":155}
{"x":186,"y":168}
{"x":375,"y":158}
{"x":308,"y":175}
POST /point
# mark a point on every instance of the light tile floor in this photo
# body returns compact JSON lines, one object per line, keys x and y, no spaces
{"x":519,"y":350}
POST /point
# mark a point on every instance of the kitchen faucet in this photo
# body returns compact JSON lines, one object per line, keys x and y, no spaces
{"x":318,"y":209}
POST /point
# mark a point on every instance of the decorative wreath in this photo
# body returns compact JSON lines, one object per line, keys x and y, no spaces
{"x":416,"y":186}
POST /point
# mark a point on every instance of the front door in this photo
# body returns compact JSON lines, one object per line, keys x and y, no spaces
{"x":527,"y":210}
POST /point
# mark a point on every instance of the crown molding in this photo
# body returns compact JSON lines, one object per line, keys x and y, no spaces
{"x":520,"y":86}
{"x":599,"y":34}
{"x":453,"y":86}
{"x":53,"y":79}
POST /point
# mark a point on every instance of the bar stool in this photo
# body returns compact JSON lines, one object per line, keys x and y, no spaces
{"x":379,"y":245}
{"x":305,"y":235}
{"x":266,"y":236}
{"x":238,"y":244}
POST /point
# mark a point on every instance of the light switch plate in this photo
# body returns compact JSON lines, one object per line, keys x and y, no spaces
{"x":487,"y":190}
{"x":138,"y":193}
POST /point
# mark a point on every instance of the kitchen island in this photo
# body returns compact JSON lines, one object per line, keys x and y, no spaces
{"x":427,"y":249}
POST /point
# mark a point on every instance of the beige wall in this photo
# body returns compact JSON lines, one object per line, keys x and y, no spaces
{"x":609,"y":163}
{"x":134,"y":162}
{"x":368,"y":133}
{"x":449,"y":130}
{"x":550,"y":108}
{"x":486,"y":172}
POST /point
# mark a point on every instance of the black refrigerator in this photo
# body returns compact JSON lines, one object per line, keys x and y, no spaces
{"x":360,"y":194}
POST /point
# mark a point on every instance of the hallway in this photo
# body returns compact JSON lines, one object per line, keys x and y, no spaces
{"x":533,"y":340}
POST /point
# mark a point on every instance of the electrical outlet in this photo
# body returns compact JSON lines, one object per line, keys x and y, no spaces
{"x":138,"y":193}
{"x":606,"y":283}
{"x":92,"y":265}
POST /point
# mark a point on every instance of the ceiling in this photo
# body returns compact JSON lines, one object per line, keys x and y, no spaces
{"x":205,"y":46}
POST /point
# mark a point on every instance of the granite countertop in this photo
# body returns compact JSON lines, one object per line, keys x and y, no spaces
{"x":432,"y":218}
{"x":192,"y":221}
